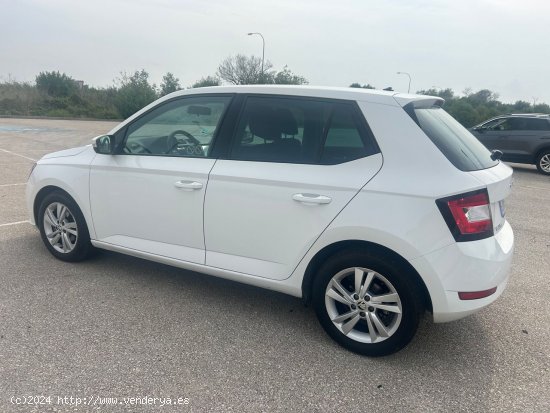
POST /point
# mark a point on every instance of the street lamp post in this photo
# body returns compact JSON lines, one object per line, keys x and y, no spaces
{"x":405,"y":73}
{"x":263,"y":49}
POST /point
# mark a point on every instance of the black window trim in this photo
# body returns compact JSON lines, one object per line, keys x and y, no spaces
{"x":500,"y":118}
{"x":121,"y":136}
{"x":365,"y":132}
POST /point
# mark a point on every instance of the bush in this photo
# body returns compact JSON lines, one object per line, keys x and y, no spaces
{"x":134,"y":93}
{"x":55,"y":84}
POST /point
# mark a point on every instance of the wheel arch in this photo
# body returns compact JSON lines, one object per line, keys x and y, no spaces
{"x":45,"y":191}
{"x":541,"y":150}
{"x":329,"y":250}
{"x":41,"y":194}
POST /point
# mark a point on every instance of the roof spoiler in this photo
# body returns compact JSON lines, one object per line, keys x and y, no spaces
{"x":419,"y":102}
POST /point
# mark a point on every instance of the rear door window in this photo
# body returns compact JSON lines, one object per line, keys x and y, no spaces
{"x":344,"y":141}
{"x":298,"y":130}
{"x":537,"y":124}
{"x":458,"y":145}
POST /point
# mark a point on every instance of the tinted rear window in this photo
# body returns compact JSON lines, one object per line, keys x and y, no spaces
{"x":460,"y":147}
{"x":537,"y":124}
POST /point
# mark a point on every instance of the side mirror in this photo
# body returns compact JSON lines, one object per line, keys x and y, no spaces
{"x":104,"y":144}
{"x":496,"y":155}
{"x":479,"y":129}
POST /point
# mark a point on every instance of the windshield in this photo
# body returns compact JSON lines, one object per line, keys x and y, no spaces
{"x":458,"y":145}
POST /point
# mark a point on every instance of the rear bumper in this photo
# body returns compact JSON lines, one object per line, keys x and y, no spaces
{"x":464,"y":267}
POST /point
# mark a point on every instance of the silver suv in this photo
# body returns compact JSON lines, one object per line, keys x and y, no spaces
{"x":522,"y":138}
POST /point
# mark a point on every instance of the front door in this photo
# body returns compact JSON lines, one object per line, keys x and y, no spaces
{"x":150,"y":196}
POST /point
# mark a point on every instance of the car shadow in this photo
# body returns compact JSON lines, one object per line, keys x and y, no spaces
{"x":440,"y":355}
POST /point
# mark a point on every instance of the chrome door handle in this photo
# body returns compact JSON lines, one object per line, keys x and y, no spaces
{"x":190,"y":185}
{"x":311,"y":198}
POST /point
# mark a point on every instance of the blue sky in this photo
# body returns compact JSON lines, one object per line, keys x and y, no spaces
{"x":497,"y":44}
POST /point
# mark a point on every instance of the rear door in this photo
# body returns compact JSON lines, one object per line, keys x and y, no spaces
{"x":522,"y":145}
{"x":512,"y":136}
{"x":293,"y":166}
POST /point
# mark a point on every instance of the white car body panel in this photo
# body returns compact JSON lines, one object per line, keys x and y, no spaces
{"x":254,"y":226}
{"x":386,"y":199}
{"x":498,"y":181}
{"x":467,"y":266}
{"x":292,"y":286}
{"x":135,"y":204}
{"x":70,"y":173}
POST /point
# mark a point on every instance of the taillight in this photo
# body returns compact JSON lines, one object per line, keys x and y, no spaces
{"x":468,"y":215}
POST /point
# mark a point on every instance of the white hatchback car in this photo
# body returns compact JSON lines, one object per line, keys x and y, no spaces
{"x":372,"y":206}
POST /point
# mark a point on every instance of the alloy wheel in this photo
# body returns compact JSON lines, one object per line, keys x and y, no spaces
{"x":363,"y":305}
{"x":60,"y":227}
{"x":544,"y":163}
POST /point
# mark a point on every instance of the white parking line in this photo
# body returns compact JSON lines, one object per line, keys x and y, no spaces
{"x":533,"y":187}
{"x":3,"y":185}
{"x":16,"y":154}
{"x":14,"y":223}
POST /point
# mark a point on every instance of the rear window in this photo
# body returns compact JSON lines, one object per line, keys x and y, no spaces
{"x":460,"y":147}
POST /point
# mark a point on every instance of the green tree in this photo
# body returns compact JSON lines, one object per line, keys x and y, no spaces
{"x":446,"y":94}
{"x":55,"y":84}
{"x":483,"y":96}
{"x":286,"y":77}
{"x":541,"y":108}
{"x":169,"y":84}
{"x":358,"y":85}
{"x":522,"y":106}
{"x":463,"y":112}
{"x":134,"y":93}
{"x":207,"y":81}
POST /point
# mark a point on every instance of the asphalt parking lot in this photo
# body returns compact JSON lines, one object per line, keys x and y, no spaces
{"x":117,"y":326}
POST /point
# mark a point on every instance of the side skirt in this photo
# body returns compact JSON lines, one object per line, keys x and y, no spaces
{"x":274,"y":285}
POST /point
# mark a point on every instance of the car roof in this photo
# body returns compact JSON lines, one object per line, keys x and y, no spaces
{"x":391,"y":98}
{"x":516,"y":115}
{"x":529,"y":115}
{"x":348,"y":93}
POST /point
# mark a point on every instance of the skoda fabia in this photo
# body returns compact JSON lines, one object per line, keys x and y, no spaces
{"x":374,"y":207}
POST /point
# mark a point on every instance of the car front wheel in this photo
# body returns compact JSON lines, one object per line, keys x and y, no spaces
{"x":543,"y":162}
{"x":367,"y":304}
{"x":63,"y":228}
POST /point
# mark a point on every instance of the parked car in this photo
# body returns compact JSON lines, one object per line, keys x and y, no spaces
{"x":372,"y":206}
{"x":522,"y":138}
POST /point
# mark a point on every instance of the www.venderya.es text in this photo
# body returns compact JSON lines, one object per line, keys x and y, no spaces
{"x":96,"y":400}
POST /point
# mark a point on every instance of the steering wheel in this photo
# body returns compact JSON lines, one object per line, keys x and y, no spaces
{"x":193,"y":144}
{"x":135,"y":145}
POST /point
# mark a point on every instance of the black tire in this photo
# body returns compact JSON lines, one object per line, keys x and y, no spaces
{"x":542,"y":162}
{"x":82,"y":247}
{"x":402,"y":282}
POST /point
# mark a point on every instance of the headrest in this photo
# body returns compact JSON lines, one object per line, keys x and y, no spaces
{"x":264,"y":123}
{"x":288,"y":123}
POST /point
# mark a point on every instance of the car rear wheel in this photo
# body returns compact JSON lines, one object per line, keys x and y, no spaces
{"x":367,"y":304}
{"x":63,"y":228}
{"x":543,"y":162}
